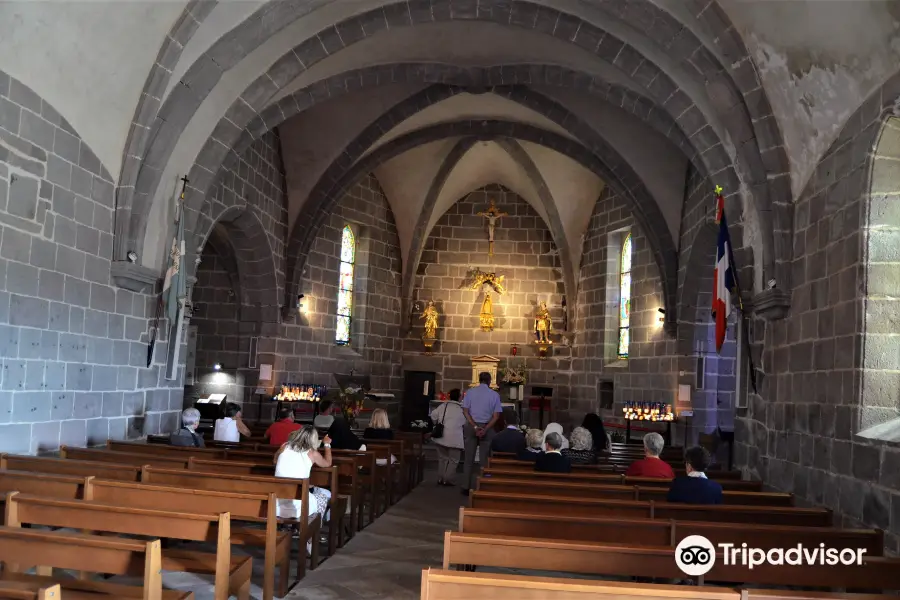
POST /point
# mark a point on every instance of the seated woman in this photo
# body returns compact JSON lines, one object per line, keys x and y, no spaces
{"x":231,"y":428}
{"x":187,"y":435}
{"x":552,"y":460}
{"x":581,"y":447}
{"x":695,"y":488}
{"x":295,"y":460}
{"x":534,"y":440}
{"x":380,"y":429}
{"x":379,"y":426}
{"x":557,"y":429}
{"x":593,"y":423}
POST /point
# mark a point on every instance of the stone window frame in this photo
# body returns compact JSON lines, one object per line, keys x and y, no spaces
{"x":615,"y":241}
{"x":341,"y":262}
{"x":359,"y":310}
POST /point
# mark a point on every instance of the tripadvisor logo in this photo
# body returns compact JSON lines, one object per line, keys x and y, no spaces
{"x":695,"y":555}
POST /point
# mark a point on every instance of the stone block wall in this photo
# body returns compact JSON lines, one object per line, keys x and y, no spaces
{"x":524,"y":252}
{"x":649,"y":373}
{"x":240,"y":278}
{"x":73,"y":346}
{"x":801,"y":434}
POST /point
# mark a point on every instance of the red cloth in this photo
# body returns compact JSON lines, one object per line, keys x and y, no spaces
{"x":279,"y":431}
{"x":650,"y":467}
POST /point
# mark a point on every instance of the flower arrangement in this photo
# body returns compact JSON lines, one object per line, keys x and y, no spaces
{"x":351,"y":400}
{"x":514,"y":376}
{"x":523,"y":428}
{"x":419,"y":424}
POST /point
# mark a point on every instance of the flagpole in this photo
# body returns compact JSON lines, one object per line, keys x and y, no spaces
{"x":745,"y":329}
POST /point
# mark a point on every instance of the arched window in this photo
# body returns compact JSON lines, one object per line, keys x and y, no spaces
{"x":624,"y":297}
{"x":345,"y":287}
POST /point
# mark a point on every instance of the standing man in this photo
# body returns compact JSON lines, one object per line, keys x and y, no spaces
{"x":482,"y":408}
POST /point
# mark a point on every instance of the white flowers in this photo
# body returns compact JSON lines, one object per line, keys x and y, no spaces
{"x":419,"y":425}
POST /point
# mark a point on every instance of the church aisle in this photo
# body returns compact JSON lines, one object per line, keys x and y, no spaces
{"x":386,"y":559}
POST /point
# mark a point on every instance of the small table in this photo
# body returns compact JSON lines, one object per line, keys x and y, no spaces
{"x":667,"y":436}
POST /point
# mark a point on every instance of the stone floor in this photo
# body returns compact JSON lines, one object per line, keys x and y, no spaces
{"x":386,"y":559}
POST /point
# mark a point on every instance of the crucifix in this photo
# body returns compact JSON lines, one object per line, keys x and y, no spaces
{"x":492,"y":215}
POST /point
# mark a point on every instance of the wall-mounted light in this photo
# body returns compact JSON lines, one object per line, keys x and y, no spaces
{"x":662,"y":314}
{"x":217,"y":367}
{"x":301,"y":305}
{"x":132,"y":256}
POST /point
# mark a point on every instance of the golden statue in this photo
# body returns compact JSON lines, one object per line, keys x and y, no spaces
{"x":431,"y":321}
{"x":487,"y":313}
{"x":479,"y":278}
{"x":492,"y":215}
{"x":543,"y":324}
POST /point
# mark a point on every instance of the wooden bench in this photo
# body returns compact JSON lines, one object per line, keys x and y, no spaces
{"x":619,"y":492}
{"x":232,"y":573}
{"x":124,"y":458}
{"x":23,"y":590}
{"x":589,"y":507}
{"x":659,"y":532}
{"x":22,"y":549}
{"x":283,"y":488}
{"x":395,"y":449}
{"x":439,"y":584}
{"x":254,"y":508}
{"x":612,"y":478}
{"x":620,"y":560}
{"x":80,"y":468}
{"x":524,"y":465}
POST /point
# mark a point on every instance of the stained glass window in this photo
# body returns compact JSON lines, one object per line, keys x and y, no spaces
{"x":624,"y":297}
{"x":345,"y":287}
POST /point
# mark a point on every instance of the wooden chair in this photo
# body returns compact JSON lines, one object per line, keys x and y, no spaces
{"x":22,"y":549}
{"x":232,"y":573}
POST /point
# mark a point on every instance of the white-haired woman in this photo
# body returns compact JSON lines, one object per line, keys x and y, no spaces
{"x":534,"y":445}
{"x":295,"y":460}
{"x":581,"y":447}
{"x":187,"y":435}
{"x":555,"y":428}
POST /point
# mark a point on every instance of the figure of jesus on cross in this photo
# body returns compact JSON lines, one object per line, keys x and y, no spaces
{"x":492,"y":215}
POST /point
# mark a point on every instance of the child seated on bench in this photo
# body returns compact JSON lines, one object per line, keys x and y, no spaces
{"x":295,"y":460}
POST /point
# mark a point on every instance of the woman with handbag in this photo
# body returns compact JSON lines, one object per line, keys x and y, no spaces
{"x":447,"y":434}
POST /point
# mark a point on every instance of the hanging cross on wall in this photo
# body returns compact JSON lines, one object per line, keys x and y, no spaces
{"x":493,"y":215}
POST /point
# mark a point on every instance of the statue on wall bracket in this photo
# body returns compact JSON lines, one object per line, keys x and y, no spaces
{"x":430,"y":316}
{"x":476,"y":279}
{"x":543,"y":326}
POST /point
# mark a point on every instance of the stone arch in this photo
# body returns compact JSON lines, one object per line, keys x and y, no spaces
{"x":257,"y":290}
{"x":746,"y":132}
{"x":629,"y":186}
{"x":879,"y":415}
{"x":615,"y":166}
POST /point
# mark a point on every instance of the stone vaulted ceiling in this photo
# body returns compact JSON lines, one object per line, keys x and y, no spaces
{"x":559,"y":97}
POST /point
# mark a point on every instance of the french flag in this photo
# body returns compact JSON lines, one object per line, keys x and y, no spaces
{"x":723,"y":279}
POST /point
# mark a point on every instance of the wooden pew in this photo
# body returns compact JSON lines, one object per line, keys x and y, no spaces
{"x":283,"y":488}
{"x":79,"y":468}
{"x":22,"y":590}
{"x":612,"y":478}
{"x":22,"y":549}
{"x":659,"y":532}
{"x":263,"y":459}
{"x":232,"y":573}
{"x":255,"y":508}
{"x":319,"y":477}
{"x":875,"y":573}
{"x":438,"y":584}
{"x":415,"y":443}
{"x":124,"y":458}
{"x":619,"y":492}
{"x":397,"y":449}
{"x":589,"y":507}
{"x":520,"y":465}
